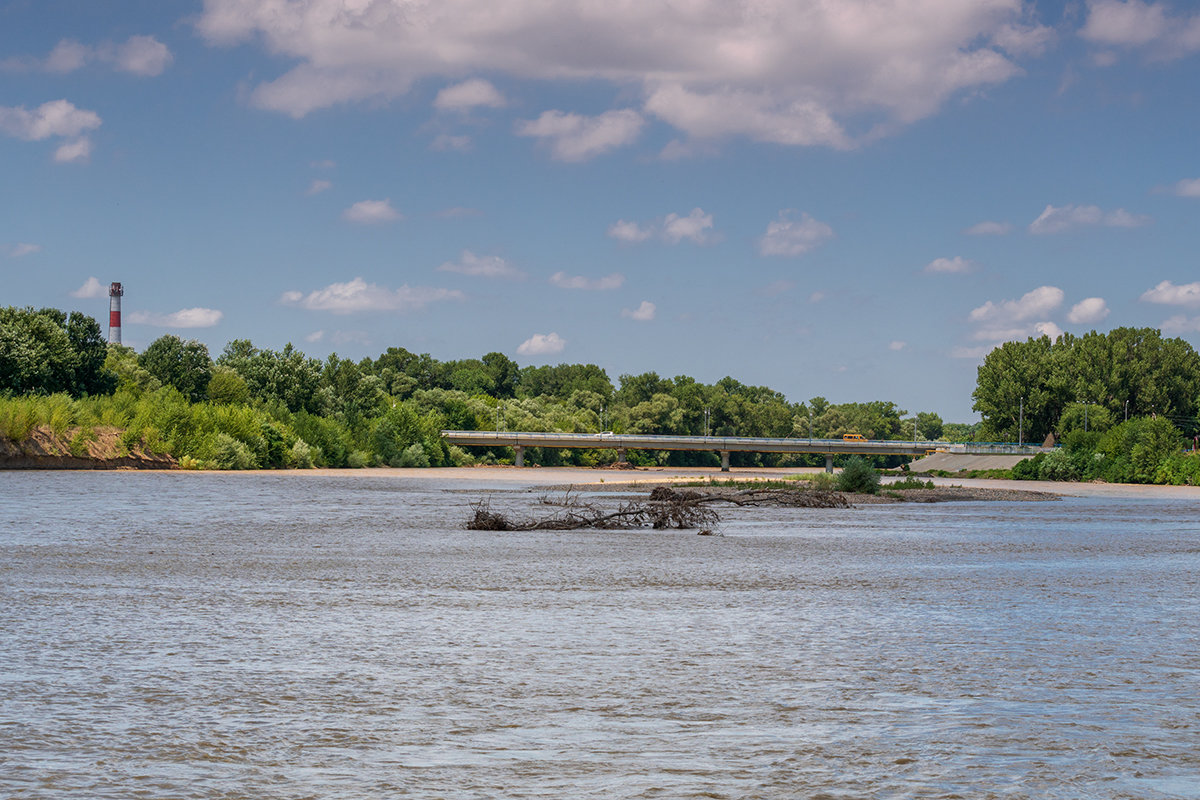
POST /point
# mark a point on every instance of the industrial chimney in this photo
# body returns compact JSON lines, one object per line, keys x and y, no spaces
{"x":114,"y":313}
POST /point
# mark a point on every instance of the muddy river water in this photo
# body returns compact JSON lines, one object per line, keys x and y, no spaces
{"x":282,"y":636}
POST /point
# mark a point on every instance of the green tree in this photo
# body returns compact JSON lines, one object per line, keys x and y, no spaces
{"x":182,"y":364}
{"x":48,"y":351}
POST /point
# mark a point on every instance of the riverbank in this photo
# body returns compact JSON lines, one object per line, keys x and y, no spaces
{"x":541,"y":478}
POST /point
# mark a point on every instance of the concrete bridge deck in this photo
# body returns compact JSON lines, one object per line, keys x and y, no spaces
{"x":724,"y":445}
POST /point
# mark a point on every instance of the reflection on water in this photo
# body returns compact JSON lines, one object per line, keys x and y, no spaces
{"x":219,"y":636}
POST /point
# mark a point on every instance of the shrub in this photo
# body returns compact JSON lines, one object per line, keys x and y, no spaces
{"x":858,"y":476}
{"x":301,"y":455}
{"x":1029,"y":468}
{"x":358,"y":459}
{"x":413,"y":456}
{"x":229,"y":453}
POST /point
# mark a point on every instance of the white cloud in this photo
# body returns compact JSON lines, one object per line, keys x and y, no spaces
{"x":897,"y":345}
{"x":626,"y":231}
{"x":573,"y":137}
{"x":788,"y":236}
{"x":542,"y":344}
{"x":1168,"y":294}
{"x":1180,"y":324}
{"x":315,"y":336}
{"x":1047,"y":329}
{"x":1088,"y":311}
{"x":564,"y":281}
{"x":643,"y":313}
{"x":358,"y":295}
{"x":184,"y":318}
{"x":1188,"y":188}
{"x":1057,"y":219}
{"x":696,"y":227}
{"x":957,"y":265}
{"x":372,"y":212}
{"x":482,"y":267}
{"x":79,"y":150}
{"x":989,"y":228}
{"x":92,"y":287}
{"x":1016,"y":319}
{"x":67,"y":56}
{"x":1133,"y":24}
{"x":318,"y":186}
{"x":469,"y":94}
{"x":816,"y":297}
{"x":142,"y":55}
{"x":54,"y":118}
{"x":797,"y":72}
{"x":23,"y":249}
{"x":138,"y":55}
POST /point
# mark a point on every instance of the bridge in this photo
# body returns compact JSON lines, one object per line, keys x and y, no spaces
{"x":724,"y":445}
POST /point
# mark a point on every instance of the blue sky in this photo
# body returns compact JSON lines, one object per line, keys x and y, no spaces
{"x":849,"y":199}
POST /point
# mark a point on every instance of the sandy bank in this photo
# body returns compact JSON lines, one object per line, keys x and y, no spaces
{"x":541,"y":477}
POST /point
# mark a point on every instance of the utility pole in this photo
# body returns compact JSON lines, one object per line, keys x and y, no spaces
{"x":1085,"y":405}
{"x":810,"y":427}
{"x":1021,"y":425}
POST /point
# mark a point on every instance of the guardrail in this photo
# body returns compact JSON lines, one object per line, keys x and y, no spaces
{"x":726,"y":444}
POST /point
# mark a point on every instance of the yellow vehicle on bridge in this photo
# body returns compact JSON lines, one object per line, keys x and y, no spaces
{"x":853,"y":437}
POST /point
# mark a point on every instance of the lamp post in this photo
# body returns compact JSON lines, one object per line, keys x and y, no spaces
{"x":1021,"y":425}
{"x":706,"y":413}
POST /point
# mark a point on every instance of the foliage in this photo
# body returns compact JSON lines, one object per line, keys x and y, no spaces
{"x":182,"y":364}
{"x":1124,"y":373}
{"x":48,"y":351}
{"x":858,"y":476}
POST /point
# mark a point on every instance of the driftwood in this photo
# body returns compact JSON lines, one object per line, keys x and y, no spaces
{"x":665,"y":508}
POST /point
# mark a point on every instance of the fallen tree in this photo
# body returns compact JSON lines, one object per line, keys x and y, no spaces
{"x":664,"y":508}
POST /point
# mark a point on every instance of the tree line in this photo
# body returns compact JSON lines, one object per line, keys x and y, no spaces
{"x":258,"y":407}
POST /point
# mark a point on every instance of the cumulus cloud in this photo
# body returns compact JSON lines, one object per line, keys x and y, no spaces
{"x":77,"y":151}
{"x":55,"y":118}
{"x":1057,"y":219}
{"x":23,"y":249}
{"x":564,"y":281}
{"x":788,"y":236}
{"x":482,"y":267}
{"x":318,"y":186}
{"x":1180,"y":324}
{"x":542,"y":344}
{"x":630,"y":232}
{"x":1189,"y":187}
{"x":643,"y":313}
{"x":674,"y":228}
{"x":896,"y":345}
{"x":142,"y":55}
{"x":138,"y":55}
{"x":315,"y":336}
{"x":1146,"y":26}
{"x":1017,"y":319}
{"x":955,"y":266}
{"x":184,"y":318}
{"x":358,"y":296}
{"x":1168,"y":294}
{"x":1088,"y":311}
{"x":467,"y":95}
{"x":92,"y":287}
{"x":573,"y":137}
{"x":989,"y":228}
{"x":795,"y":72}
{"x":372,"y":212}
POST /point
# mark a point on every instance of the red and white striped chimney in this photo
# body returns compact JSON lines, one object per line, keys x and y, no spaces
{"x":114,"y":313}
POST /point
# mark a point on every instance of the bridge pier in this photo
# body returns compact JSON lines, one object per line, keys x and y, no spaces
{"x":520,"y":456}
{"x":829,"y":463}
{"x":724,"y":461}
{"x":620,"y":455}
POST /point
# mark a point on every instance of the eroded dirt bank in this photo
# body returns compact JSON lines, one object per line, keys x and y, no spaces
{"x":102,"y":449}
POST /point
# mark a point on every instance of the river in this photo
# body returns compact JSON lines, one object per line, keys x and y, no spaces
{"x":289,"y":636}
